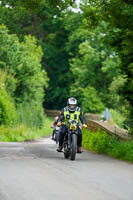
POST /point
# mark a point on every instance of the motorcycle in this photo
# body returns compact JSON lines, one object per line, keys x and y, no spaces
{"x":57,"y":134}
{"x":70,"y":140}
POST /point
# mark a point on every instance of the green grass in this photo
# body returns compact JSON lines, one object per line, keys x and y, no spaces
{"x":22,"y":132}
{"x":102,"y":143}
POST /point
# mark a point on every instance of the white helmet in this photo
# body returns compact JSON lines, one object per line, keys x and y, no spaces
{"x":72,"y":103}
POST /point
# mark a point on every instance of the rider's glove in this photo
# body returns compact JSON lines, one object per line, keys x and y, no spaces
{"x":59,"y":124}
{"x":84,"y":126}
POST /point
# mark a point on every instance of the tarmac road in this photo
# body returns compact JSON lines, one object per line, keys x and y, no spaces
{"x":35,"y":171}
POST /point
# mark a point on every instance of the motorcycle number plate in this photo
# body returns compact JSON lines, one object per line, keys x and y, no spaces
{"x":73,"y":127}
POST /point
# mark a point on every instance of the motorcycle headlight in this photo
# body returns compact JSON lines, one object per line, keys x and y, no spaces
{"x":57,"y":128}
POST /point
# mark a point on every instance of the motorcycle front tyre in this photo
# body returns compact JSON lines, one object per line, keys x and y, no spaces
{"x":73,"y":147}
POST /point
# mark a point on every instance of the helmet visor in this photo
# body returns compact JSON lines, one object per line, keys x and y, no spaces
{"x":72,"y":106}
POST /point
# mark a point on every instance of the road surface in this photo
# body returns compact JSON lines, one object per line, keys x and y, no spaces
{"x":35,"y":171}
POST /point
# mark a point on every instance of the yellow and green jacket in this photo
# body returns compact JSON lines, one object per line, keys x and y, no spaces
{"x":67,"y":115}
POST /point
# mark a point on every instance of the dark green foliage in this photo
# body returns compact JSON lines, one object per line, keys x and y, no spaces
{"x":44,"y":20}
{"x":57,"y":66}
{"x":128,"y":124}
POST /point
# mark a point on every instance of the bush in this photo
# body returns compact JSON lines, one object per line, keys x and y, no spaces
{"x":102,"y":143}
{"x":97,"y":142}
{"x":122,"y":150}
{"x":128,"y":124}
{"x":8,"y":114}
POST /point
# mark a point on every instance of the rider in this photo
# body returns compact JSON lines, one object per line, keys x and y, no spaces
{"x":70,"y":112}
{"x":53,"y":125}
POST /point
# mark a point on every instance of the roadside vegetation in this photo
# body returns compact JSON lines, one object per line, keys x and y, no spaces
{"x":21,"y":133}
{"x":100,"y":142}
{"x":22,"y":84}
{"x":50,"y":51}
{"x":118,"y":118}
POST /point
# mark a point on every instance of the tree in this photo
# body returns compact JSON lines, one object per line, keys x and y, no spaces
{"x":96,"y":65}
{"x":44,"y":20}
{"x":25,"y":78}
{"x":119,"y":15}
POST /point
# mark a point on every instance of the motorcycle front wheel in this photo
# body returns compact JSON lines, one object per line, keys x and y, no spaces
{"x":73,"y":147}
{"x":57,"y":137}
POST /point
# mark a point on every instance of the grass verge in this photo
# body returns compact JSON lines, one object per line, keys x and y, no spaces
{"x":22,"y":133}
{"x":102,"y":143}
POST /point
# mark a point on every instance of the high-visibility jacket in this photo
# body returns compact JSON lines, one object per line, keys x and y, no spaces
{"x":67,"y":115}
{"x":71,"y":116}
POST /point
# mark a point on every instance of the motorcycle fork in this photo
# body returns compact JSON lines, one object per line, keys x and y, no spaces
{"x":70,"y":138}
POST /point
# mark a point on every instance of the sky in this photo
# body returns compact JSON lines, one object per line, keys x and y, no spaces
{"x":76,"y":9}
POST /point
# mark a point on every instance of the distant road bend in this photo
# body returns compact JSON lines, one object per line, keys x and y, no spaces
{"x":35,"y":171}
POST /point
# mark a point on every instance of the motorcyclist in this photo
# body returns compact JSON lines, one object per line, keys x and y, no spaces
{"x":53,"y":125}
{"x":70,"y":112}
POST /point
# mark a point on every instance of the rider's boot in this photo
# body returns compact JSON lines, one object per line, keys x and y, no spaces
{"x":53,"y":136}
{"x":59,"y":148}
{"x":79,"y":149}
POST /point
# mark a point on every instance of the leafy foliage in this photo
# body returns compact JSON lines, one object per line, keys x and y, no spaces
{"x":88,"y":99}
{"x":86,"y":54}
{"x":43,"y":19}
{"x":96,"y":141}
{"x":95,"y":66}
{"x":25,"y":80}
{"x":120,"y":36}
{"x":102,"y":143}
{"x":8,"y":113}
{"x":22,"y":62}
